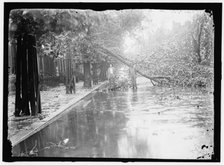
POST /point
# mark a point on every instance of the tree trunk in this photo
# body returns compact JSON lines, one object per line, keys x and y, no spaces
{"x":18,"y":79}
{"x":64,"y":70}
{"x":24,"y":78}
{"x":197,"y":42}
{"x":95,"y":75}
{"x":87,"y":75}
{"x":31,"y":85}
{"x":197,"y":49}
{"x":12,"y":52}
{"x":67,"y":76}
{"x":26,"y":62}
{"x":36,"y":77}
{"x":103,"y":71}
{"x":70,"y":78}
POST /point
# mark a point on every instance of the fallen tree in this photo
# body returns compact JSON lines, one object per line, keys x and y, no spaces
{"x":130,"y":64}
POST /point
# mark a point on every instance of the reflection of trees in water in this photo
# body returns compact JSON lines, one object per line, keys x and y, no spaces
{"x":110,"y":126}
{"x":84,"y":128}
{"x":114,"y":105}
{"x":134,"y":96}
{"x":131,"y":99}
{"x":103,"y":126}
{"x":90,"y":123}
{"x":133,"y":146}
{"x":141,"y":148}
{"x":73,"y":124}
{"x":119,"y":101}
{"x":31,"y":146}
{"x":63,"y":128}
{"x":104,"y":101}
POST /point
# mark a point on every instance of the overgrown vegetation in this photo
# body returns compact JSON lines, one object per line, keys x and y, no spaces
{"x":76,"y":34}
{"x":184,"y":54}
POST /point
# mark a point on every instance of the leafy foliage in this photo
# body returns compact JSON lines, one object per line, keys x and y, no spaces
{"x":74,"y":33}
{"x":185,"y":54}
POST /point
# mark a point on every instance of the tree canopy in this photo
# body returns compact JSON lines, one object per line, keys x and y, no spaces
{"x":75,"y":32}
{"x":184,"y":52}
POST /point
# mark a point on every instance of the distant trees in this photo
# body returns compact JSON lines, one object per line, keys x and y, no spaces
{"x":185,"y":53}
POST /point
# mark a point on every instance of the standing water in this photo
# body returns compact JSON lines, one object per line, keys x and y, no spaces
{"x":150,"y":122}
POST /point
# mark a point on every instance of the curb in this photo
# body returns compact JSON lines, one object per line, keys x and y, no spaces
{"x":37,"y":126}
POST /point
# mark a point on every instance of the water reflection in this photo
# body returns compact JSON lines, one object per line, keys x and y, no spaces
{"x":123,"y":124}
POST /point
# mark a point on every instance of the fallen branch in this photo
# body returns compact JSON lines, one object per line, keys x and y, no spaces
{"x":128,"y":63}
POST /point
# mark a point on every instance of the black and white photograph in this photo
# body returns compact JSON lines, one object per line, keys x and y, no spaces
{"x":135,"y":83}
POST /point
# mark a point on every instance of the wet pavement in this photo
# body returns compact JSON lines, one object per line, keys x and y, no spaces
{"x":150,"y":122}
{"x":52,"y":101}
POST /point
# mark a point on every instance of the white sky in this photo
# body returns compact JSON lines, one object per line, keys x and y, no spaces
{"x":166,"y":18}
{"x":154,"y":20}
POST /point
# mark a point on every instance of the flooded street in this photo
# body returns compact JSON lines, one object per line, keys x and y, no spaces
{"x":150,"y":122}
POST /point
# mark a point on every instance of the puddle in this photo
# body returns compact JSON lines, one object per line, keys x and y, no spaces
{"x":127,"y":124}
